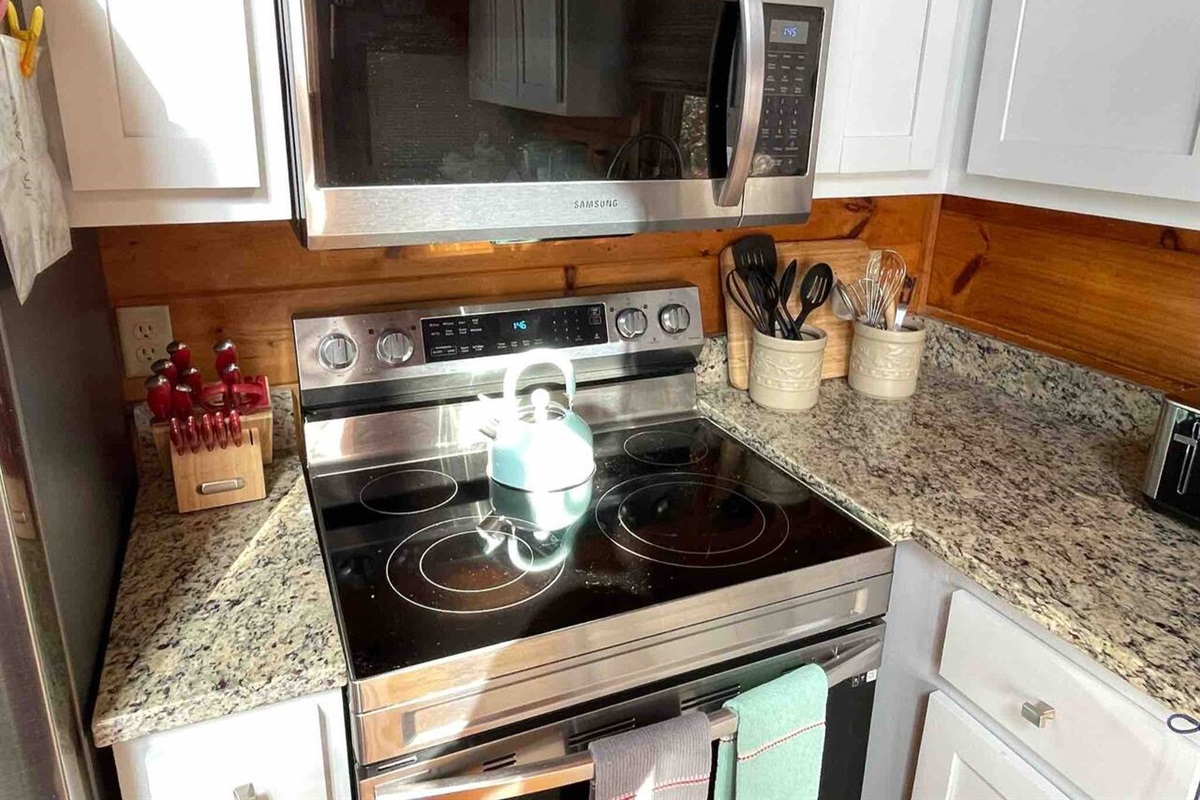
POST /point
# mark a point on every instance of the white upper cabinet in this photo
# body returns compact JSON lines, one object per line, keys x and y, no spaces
{"x":886,"y":85}
{"x":1098,"y":94}
{"x":169,"y":114}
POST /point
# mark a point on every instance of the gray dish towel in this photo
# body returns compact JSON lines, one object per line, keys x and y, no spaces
{"x":670,"y":760}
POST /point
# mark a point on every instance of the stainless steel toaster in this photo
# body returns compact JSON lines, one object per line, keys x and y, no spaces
{"x":1173,"y":476}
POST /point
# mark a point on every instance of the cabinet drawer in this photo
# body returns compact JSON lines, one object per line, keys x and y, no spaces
{"x":1098,"y":739}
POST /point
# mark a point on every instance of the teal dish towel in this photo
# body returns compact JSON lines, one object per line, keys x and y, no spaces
{"x":776,"y":753}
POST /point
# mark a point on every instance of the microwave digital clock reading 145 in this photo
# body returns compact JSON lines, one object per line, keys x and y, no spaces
{"x":789,"y":31}
{"x":505,"y":332}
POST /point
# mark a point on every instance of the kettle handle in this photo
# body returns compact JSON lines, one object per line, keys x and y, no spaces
{"x":529,"y":359}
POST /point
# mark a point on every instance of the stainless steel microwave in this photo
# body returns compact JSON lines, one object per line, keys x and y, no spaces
{"x":415,"y":121}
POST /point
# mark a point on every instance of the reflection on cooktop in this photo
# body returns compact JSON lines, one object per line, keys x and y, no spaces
{"x":666,"y":448}
{"x":675,"y":510}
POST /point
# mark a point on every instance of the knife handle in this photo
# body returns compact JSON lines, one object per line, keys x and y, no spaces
{"x":177,"y":436}
{"x":193,"y":435}
{"x":180,"y":355}
{"x":158,"y":396}
{"x":226,"y":354}
{"x":235,"y":428}
{"x":181,"y":401}
{"x":222,"y":426}
{"x":207,"y":433}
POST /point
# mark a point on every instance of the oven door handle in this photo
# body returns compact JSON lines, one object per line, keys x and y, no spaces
{"x":754,"y":57}
{"x":556,"y":773}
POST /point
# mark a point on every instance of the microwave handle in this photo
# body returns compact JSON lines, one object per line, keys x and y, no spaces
{"x":753,"y":74}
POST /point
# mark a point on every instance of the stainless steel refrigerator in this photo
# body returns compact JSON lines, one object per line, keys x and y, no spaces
{"x":66,"y":490}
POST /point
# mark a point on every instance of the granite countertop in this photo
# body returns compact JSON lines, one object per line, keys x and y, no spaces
{"x":218,"y":611}
{"x":1020,"y":471}
{"x":1027,"y":482}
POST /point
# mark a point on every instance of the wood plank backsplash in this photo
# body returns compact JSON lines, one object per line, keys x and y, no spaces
{"x":245,"y":280}
{"x":1119,"y":296}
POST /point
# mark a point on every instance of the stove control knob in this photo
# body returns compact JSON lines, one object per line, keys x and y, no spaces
{"x":631,"y":323}
{"x":674,"y":318}
{"x":394,"y":348}
{"x":337,"y":352}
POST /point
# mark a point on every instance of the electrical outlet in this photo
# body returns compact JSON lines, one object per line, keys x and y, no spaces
{"x":145,"y":332}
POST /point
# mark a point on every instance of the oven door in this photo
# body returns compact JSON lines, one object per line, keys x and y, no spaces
{"x":551,"y":759}
{"x":415,"y":121}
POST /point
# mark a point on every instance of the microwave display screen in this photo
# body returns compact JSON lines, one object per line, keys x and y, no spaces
{"x":789,"y":31}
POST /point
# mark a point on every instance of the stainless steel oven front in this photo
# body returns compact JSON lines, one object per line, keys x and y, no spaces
{"x":414,"y":121}
{"x":549,"y":758}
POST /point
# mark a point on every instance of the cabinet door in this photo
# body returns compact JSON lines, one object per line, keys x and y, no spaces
{"x":155,"y":94}
{"x":1099,"y":94}
{"x":295,"y":750}
{"x":889,"y":70}
{"x":961,"y":760}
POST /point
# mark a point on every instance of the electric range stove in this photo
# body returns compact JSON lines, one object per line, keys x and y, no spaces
{"x":693,"y":552}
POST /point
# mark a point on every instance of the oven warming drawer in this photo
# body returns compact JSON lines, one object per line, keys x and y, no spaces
{"x":450,"y":700}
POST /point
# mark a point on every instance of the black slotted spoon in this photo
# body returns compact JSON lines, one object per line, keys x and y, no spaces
{"x":814,"y":291}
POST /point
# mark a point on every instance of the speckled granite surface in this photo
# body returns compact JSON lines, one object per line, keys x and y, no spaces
{"x":218,"y":611}
{"x":1036,"y":504}
{"x":1082,"y":394}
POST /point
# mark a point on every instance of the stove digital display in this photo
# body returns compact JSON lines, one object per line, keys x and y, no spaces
{"x":505,"y":332}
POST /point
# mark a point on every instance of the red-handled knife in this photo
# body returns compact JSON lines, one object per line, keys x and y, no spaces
{"x":180,"y":355}
{"x":231,"y":376}
{"x":167,"y":369}
{"x":226,"y":354}
{"x":192,"y":377}
{"x":235,"y":428}
{"x":193,"y":435}
{"x":158,"y":396}
{"x":222,"y":426}
{"x":181,"y":401}
{"x":207,"y":433}
{"x":177,"y":436}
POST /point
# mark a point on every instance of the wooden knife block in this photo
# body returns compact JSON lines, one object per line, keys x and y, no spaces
{"x":218,"y":477}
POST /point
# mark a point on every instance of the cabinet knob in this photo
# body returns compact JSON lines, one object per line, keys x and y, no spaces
{"x":245,"y":792}
{"x":1040,"y":713}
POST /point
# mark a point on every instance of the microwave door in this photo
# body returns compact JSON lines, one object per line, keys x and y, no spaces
{"x":780,"y":185}
{"x":412,"y":123}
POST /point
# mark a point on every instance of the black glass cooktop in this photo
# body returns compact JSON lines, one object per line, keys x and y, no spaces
{"x":422,"y":569}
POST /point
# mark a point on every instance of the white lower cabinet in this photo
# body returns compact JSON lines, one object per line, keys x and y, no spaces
{"x":296,"y":750}
{"x":1097,"y":738}
{"x":962,"y":760}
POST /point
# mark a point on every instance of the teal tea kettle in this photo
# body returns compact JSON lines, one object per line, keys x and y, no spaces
{"x":539,"y":446}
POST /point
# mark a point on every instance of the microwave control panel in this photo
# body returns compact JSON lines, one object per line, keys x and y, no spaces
{"x":789,"y":89}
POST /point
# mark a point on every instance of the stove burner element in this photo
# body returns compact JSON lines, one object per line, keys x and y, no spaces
{"x":687,"y":520}
{"x":454,"y":567}
{"x":666,"y":448}
{"x":662,"y":516}
{"x":408,"y":491}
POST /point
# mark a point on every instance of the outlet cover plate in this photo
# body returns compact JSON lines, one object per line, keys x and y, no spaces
{"x":145,"y":332}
